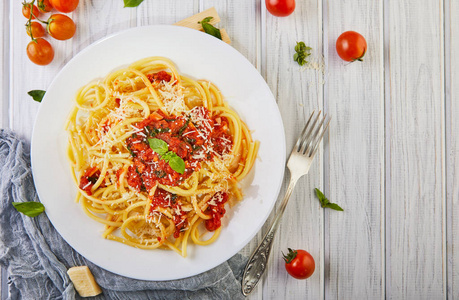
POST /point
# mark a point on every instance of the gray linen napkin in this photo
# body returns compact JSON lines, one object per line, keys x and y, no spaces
{"x":37,"y":258}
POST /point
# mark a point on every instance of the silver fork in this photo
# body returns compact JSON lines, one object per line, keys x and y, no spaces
{"x":299,"y":162}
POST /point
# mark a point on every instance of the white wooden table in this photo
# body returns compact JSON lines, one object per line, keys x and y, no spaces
{"x":391,"y":159}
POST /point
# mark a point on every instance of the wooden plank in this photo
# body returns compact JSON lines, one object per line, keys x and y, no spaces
{"x":298,"y":91}
{"x":166,"y":12}
{"x":27,"y":76}
{"x":355,"y":99}
{"x":417,"y":194}
{"x":240,"y":24}
{"x":105,"y":18}
{"x":452,"y":143}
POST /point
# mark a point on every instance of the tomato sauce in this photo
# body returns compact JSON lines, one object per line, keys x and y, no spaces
{"x":88,"y":180}
{"x":216,"y":211}
{"x":191,"y":142}
{"x":159,"y":77}
{"x":165,"y":199}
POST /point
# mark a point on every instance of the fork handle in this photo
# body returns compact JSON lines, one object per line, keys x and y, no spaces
{"x":259,"y":260}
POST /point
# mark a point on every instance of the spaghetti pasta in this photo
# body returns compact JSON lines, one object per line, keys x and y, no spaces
{"x":157,"y":155}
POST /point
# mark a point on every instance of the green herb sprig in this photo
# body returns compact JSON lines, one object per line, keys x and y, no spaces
{"x":175,"y":162}
{"x":302,"y":52}
{"x":31,"y":209}
{"x":324,"y":202}
{"x":37,"y":95}
{"x":209,"y":29}
{"x":132,"y":3}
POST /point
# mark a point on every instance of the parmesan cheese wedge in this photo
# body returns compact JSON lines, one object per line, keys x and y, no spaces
{"x":83,"y":281}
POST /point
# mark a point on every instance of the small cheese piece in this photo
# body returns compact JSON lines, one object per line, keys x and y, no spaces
{"x":83,"y":281}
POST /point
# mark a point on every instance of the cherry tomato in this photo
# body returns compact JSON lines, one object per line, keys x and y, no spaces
{"x":65,"y":6}
{"x":299,"y":263}
{"x":280,"y":8}
{"x":61,"y":27}
{"x":36,"y":29}
{"x":351,"y":46}
{"x":26,"y":10}
{"x":40,"y":52}
{"x":44,"y":6}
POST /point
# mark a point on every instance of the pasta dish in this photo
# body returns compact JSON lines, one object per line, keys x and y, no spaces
{"x":157,"y":156}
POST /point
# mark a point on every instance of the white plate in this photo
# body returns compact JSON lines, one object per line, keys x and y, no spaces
{"x":199,"y":56}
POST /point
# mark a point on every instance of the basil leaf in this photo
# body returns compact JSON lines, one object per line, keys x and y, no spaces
{"x":159,"y":146}
{"x":132,"y":3}
{"x":206,"y":20}
{"x":302,"y":52}
{"x":177,"y":164}
{"x":37,"y":95}
{"x":334,"y":206}
{"x":167,"y":156}
{"x":324,"y":202}
{"x":31,"y":209}
{"x":209,"y":29}
{"x":299,"y":46}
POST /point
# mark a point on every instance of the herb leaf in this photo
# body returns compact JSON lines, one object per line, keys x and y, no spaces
{"x":206,"y":20}
{"x":302,"y":52}
{"x":324,"y":202}
{"x":334,"y":206}
{"x":175,"y":162}
{"x":31,"y":209}
{"x":159,"y":146}
{"x":209,"y":29}
{"x":132,"y":3}
{"x":182,"y":129}
{"x":168,"y":156}
{"x":37,"y":95}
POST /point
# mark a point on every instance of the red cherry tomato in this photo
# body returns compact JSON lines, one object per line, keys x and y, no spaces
{"x":40,"y":52}
{"x":26,"y":10}
{"x":351,"y":46}
{"x":44,"y":6}
{"x":65,"y":6}
{"x":36,"y":29}
{"x":280,"y":8}
{"x":299,"y":263}
{"x":61,"y":27}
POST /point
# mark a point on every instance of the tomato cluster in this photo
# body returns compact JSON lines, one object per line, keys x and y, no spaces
{"x":59,"y":26}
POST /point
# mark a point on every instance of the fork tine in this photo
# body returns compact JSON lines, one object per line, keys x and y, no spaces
{"x":298,"y":142}
{"x":307,"y":137}
{"x":317,"y":143}
{"x":312,"y":142}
